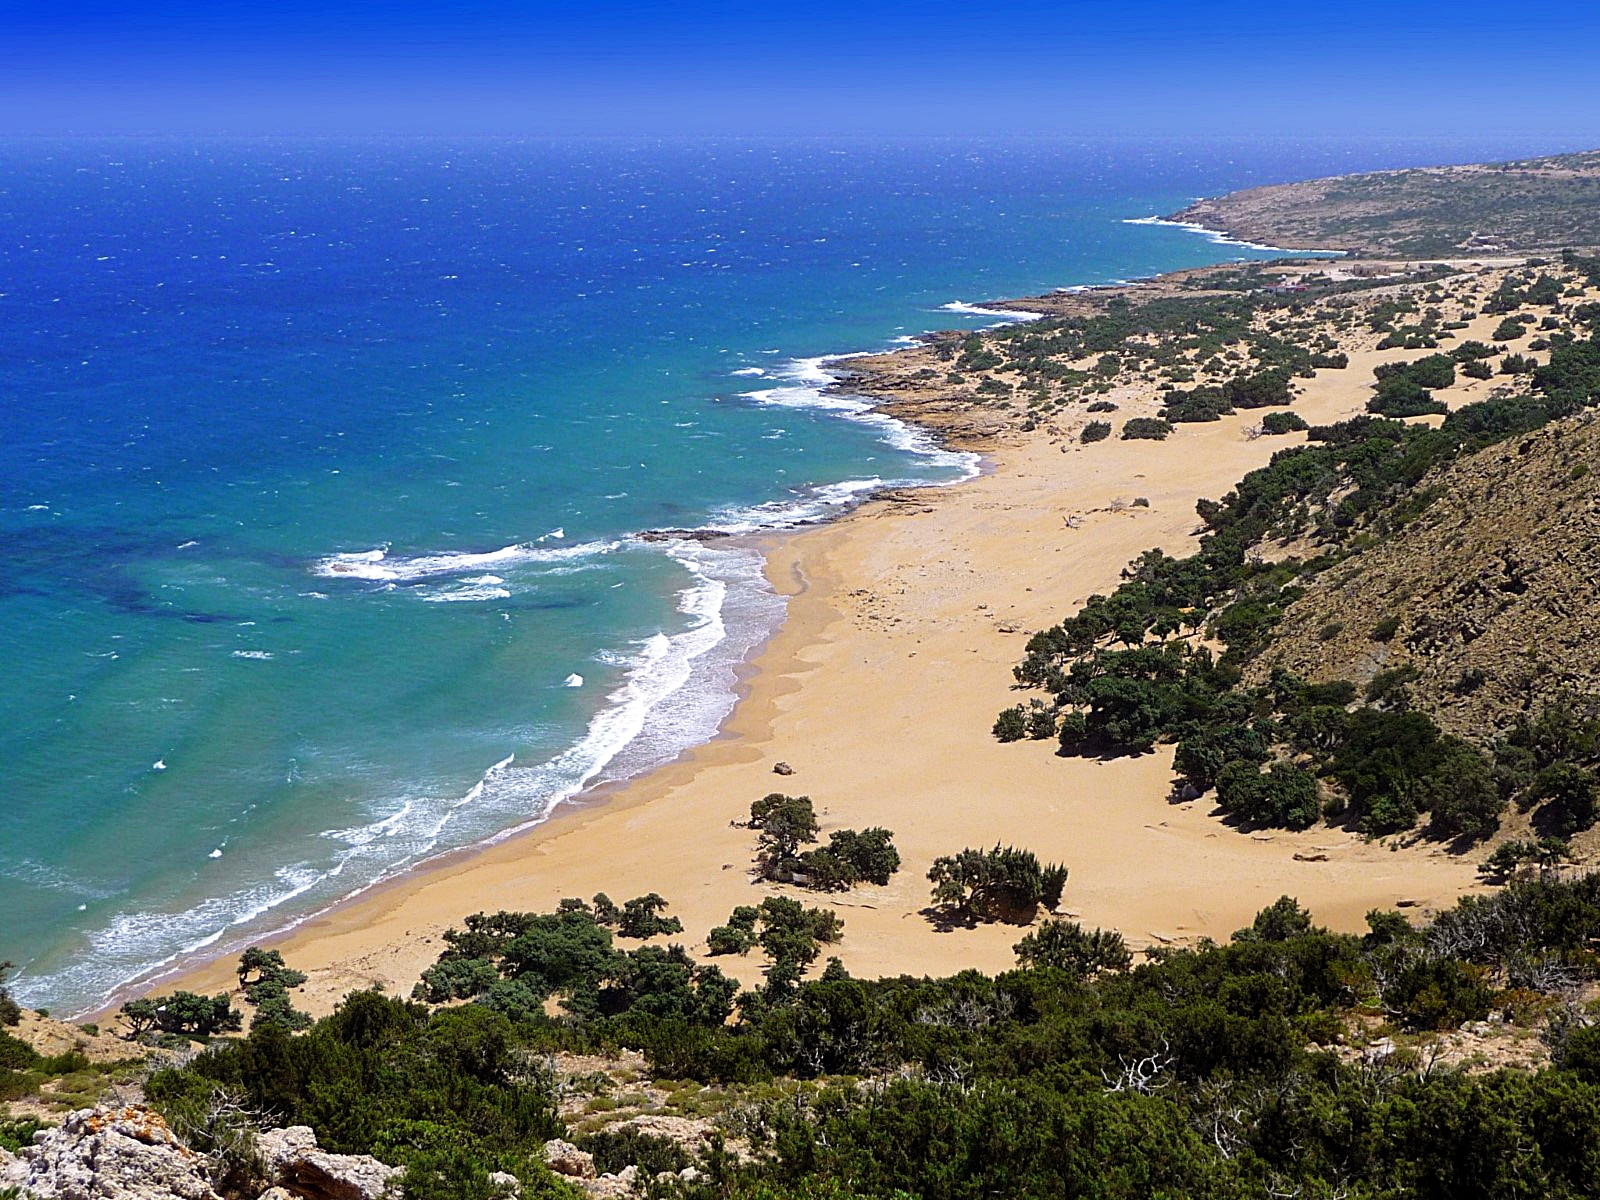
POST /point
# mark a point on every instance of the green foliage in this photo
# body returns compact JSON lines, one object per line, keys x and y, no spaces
{"x":266,"y":981}
{"x":1011,"y":725}
{"x":1508,"y":857}
{"x":1439,"y":993}
{"x":1261,"y":390}
{"x":1067,"y":946}
{"x":852,"y":857}
{"x":630,"y":1146}
{"x":1278,"y":922}
{"x":1402,"y":396}
{"x":1283,"y":422}
{"x":786,"y":823}
{"x":1150,"y":428}
{"x":1284,"y":795}
{"x":14,"y":1135}
{"x":513,"y":962}
{"x":1508,"y":330}
{"x":1200,"y":404}
{"x":449,"y":1095}
{"x":1002,"y":884}
{"x":182,"y":1013}
{"x":1095,"y":431}
{"x":641,"y":918}
{"x":1568,"y":798}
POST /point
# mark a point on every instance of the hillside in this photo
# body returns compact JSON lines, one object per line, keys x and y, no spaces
{"x":1524,"y":206}
{"x":1492,"y":587}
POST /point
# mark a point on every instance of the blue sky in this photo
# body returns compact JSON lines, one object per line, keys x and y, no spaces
{"x":827,"y":67}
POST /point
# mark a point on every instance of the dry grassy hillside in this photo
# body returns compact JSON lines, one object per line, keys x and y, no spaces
{"x":1493,"y":588}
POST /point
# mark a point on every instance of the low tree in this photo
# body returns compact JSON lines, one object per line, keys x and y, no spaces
{"x":641,"y":918}
{"x":184,"y":1013}
{"x":1004,"y":883}
{"x":786,"y":823}
{"x":266,"y":981}
{"x":852,"y":857}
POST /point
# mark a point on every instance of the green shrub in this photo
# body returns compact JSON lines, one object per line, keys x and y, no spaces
{"x":1004,"y":883}
{"x":1067,"y":946}
{"x":1147,"y":428}
{"x":1012,"y":724}
{"x":1095,"y":431}
{"x":1283,"y":422}
{"x":1284,"y":795}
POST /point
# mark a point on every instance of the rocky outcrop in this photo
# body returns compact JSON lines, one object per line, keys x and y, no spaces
{"x":566,"y":1159}
{"x":296,"y":1165}
{"x":108,"y":1154}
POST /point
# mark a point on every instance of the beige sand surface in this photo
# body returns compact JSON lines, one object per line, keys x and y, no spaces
{"x":880,"y":690}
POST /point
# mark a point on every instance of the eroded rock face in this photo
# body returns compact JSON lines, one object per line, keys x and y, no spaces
{"x":108,"y":1154}
{"x":296,"y":1165}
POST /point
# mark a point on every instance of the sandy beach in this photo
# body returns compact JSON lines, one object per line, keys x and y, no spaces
{"x":904,"y":621}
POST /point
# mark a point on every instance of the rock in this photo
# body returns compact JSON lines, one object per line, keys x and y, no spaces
{"x":276,"y":1193}
{"x":1379,"y":1051}
{"x":628,"y":1175}
{"x":294,"y":1163}
{"x":566,"y":1159}
{"x":782,"y":768}
{"x":1301,"y":856}
{"x":108,"y":1154}
{"x":504,"y":1184}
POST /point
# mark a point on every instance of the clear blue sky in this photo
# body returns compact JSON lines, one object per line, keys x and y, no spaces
{"x":1314,"y":67}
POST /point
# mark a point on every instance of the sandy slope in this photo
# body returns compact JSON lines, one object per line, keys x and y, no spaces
{"x":879,"y":690}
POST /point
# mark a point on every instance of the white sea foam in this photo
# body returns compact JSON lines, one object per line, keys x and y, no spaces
{"x":1219,"y":238}
{"x":806,"y":383}
{"x":1005,"y":315}
{"x":377,"y":565}
{"x":255,"y":654}
{"x":746,"y":371}
{"x":573,"y":681}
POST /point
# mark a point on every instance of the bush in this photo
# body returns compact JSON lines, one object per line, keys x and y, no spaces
{"x":1011,"y":725}
{"x":1509,"y":330}
{"x":1146,"y":428}
{"x":1000,"y":884}
{"x":1283,"y":422}
{"x":1477,"y":369}
{"x":182,"y":1013}
{"x":1439,"y":994}
{"x":852,"y":857}
{"x":1095,"y":431}
{"x":1067,"y":946}
{"x":630,"y":1146}
{"x":1262,"y":390}
{"x":1285,"y":795}
{"x":641,"y":918}
{"x":1401,"y":396}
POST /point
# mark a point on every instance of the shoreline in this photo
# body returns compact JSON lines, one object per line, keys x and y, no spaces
{"x":1044,"y":524}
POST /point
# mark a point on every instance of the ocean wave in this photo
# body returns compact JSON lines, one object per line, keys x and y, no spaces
{"x":975,"y":310}
{"x":1219,"y":238}
{"x":376,"y":565}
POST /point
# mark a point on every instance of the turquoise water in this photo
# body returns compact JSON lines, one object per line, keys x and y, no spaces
{"x":320,"y":464}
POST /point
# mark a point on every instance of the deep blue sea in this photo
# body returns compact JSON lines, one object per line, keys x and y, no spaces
{"x":319,"y":464}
